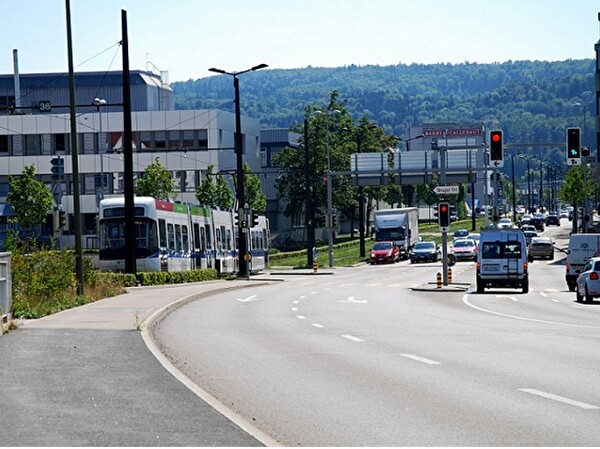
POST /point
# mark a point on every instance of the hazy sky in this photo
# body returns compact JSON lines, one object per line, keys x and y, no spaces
{"x":186,"y":37}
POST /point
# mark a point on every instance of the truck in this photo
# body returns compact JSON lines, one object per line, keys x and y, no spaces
{"x":582,"y":247}
{"x":400,"y":226}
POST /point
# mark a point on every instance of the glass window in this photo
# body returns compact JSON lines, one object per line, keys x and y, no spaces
{"x":33,"y":145}
{"x":178,"y":237}
{"x":185,"y":240}
{"x":174,"y":140}
{"x":4,"y":145}
{"x":145,"y":140}
{"x":160,"y":140}
{"x":162,"y":233}
{"x":171,"y":236}
{"x":189,"y":139}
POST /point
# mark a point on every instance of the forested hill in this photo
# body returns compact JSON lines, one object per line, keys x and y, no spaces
{"x":533,"y":101}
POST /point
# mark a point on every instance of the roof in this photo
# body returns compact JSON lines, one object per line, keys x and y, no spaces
{"x":36,"y":81}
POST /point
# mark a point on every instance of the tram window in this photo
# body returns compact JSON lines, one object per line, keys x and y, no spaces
{"x":171,"y":236}
{"x":152,"y":240}
{"x":114,"y":237}
{"x":265,"y":238}
{"x":162,"y":232}
{"x":208,"y":237}
{"x":140,"y":234}
{"x":185,"y":238}
{"x":218,"y":237}
{"x":202,"y":239}
{"x":229,"y":239}
{"x":177,"y":237}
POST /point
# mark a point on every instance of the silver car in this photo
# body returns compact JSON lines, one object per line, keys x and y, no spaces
{"x":541,"y":248}
{"x":588,"y":282}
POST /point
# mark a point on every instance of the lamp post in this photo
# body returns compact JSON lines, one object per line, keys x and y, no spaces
{"x":98,"y":102}
{"x":329,"y":221}
{"x":529,"y":199}
{"x":514,"y":195}
{"x":242,"y":244}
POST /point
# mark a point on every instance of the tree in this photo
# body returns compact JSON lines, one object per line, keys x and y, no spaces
{"x":223,"y":196}
{"x":255,"y":197}
{"x":206,"y":192}
{"x":156,"y":182}
{"x":30,"y":199}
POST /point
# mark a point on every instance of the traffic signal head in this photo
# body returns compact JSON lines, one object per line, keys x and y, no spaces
{"x":444,"y":215}
{"x":573,"y":145}
{"x":62,"y":218}
{"x":496,"y":146}
{"x":237,"y":218}
{"x":58,"y":167}
{"x":254,"y":220}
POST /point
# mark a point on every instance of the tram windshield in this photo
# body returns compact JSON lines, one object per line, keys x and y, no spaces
{"x":112,"y":234}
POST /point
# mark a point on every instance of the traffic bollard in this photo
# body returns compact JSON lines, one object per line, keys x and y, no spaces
{"x":438,"y":280}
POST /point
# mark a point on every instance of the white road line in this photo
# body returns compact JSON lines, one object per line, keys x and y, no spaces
{"x":301,"y":317}
{"x":420,"y":359}
{"x":555,"y":397}
{"x":248,"y":299}
{"x":512,"y":298}
{"x":394,"y":285}
{"x":317,"y":325}
{"x":544,"y":294}
{"x":295,"y":302}
{"x":313,"y":292}
{"x":555,"y":300}
{"x":516,"y":317}
{"x":302,"y":297}
{"x":294,"y":309}
{"x":352,"y":338}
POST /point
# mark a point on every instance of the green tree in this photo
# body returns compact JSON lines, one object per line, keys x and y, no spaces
{"x":156,"y":182}
{"x":206,"y":192}
{"x":223,"y":196}
{"x":253,"y":192}
{"x":30,"y":199}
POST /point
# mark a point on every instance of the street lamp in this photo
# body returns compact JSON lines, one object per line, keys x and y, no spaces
{"x":529,"y":199}
{"x":242,"y":244}
{"x":98,"y":102}
{"x":329,"y":192}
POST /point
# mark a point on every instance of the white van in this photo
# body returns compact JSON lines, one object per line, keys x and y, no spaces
{"x":582,"y":247}
{"x":502,"y":260}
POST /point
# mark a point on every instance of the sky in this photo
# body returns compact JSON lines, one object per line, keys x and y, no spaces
{"x":187,"y":37}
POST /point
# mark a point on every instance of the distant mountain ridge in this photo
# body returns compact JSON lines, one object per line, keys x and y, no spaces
{"x":532,"y":101}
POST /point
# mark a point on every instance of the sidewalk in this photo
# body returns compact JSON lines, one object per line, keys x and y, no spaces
{"x":85,"y":377}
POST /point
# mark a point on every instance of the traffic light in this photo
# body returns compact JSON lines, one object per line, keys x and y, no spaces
{"x":573,"y":146}
{"x":253,"y":219}
{"x":334,"y":221}
{"x":237,"y":218}
{"x":496,"y":146}
{"x":58,"y":167}
{"x":62,"y":218}
{"x":444,"y":215}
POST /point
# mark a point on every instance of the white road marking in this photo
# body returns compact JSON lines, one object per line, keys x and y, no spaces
{"x":248,"y":299}
{"x":301,"y":317}
{"x":420,"y":359}
{"x":313,"y":292}
{"x":516,"y":317}
{"x":512,"y":298}
{"x":394,"y":285}
{"x":317,"y":325}
{"x":302,"y":297}
{"x":544,"y":294}
{"x":555,"y":397}
{"x":295,"y":302}
{"x":351,"y":300}
{"x":294,"y":309}
{"x":352,"y":338}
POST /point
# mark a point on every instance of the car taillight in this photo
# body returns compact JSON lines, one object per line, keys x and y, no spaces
{"x":478,"y":267}
{"x":524,"y":267}
{"x":594,"y":276}
{"x":568,"y":266}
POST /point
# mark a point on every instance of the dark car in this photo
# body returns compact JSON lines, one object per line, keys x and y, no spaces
{"x":385,"y":252}
{"x":538,"y":223}
{"x":552,"y":220}
{"x":425,"y":251}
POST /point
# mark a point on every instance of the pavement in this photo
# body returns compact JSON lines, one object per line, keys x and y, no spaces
{"x":88,"y":377}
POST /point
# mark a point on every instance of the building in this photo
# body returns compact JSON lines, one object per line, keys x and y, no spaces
{"x":185,"y":142}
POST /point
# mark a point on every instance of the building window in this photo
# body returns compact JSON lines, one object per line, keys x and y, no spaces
{"x":5,"y":145}
{"x":145,"y":140}
{"x":174,"y":140}
{"x":189,"y":138}
{"x":160,"y":140}
{"x":33,"y":145}
{"x":203,"y":139}
{"x":61,"y":143}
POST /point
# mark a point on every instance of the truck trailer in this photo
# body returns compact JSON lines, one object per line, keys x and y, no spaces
{"x":397,"y":225}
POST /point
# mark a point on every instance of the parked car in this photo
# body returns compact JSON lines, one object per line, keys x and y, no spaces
{"x":385,"y":252}
{"x":465,"y":249}
{"x":426,"y":251}
{"x":588,"y":282}
{"x":541,"y":248}
{"x":552,"y":219}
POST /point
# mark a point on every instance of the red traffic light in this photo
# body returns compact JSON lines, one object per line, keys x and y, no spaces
{"x":444,"y":208}
{"x":496,"y":137}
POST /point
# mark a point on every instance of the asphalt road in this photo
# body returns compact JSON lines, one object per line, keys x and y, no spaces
{"x":359,"y":359}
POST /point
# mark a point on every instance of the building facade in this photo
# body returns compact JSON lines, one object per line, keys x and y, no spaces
{"x":185,"y":142}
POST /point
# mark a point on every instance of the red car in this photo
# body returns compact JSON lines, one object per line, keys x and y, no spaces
{"x":465,"y":249}
{"x":385,"y":252}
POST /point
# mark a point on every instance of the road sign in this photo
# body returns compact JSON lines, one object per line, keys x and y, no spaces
{"x":446,"y":190}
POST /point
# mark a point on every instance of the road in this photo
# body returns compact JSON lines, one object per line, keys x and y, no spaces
{"x":359,"y":359}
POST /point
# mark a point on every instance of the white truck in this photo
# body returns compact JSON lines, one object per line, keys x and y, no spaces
{"x":581,"y":248}
{"x":397,"y":225}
